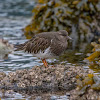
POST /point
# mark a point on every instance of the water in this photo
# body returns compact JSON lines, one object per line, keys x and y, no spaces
{"x":49,"y":96}
{"x":16,"y":7}
{"x":10,"y":29}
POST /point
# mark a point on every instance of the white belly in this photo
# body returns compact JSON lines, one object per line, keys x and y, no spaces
{"x":44,"y":55}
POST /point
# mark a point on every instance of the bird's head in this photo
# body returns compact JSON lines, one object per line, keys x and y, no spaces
{"x":64,"y":35}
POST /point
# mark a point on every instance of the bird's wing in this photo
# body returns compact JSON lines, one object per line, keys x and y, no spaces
{"x":34,"y":45}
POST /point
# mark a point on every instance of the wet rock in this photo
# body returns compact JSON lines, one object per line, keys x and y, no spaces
{"x":94,"y":58}
{"x":5,"y":48}
{"x":89,"y":95}
{"x":41,"y":78}
{"x":51,"y":79}
{"x":2,"y":75}
{"x":88,"y":88}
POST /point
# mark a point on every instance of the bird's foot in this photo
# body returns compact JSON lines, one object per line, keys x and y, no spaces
{"x":45,"y":63}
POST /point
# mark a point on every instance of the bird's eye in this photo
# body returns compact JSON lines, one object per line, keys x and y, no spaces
{"x":63,"y":34}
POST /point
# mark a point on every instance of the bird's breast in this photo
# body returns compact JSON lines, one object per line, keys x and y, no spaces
{"x":46,"y":54}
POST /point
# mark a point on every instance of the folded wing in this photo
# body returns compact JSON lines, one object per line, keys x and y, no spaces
{"x":34,"y":45}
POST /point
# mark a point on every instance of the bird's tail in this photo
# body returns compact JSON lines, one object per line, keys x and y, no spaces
{"x":19,"y":47}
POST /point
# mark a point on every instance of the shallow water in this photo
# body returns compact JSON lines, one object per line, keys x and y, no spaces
{"x":10,"y":29}
{"x":41,"y":96}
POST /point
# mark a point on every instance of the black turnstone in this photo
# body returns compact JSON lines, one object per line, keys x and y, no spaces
{"x":46,"y":45}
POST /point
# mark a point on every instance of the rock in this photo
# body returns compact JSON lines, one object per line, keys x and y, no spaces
{"x":40,"y":78}
{"x":5,"y":49}
{"x":50,"y":79}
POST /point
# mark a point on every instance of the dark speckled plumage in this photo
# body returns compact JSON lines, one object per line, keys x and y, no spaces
{"x":56,"y":41}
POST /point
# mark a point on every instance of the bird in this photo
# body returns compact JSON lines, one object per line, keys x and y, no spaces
{"x":46,"y":45}
{"x":5,"y":48}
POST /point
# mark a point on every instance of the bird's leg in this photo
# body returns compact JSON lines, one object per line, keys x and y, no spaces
{"x":45,"y":63}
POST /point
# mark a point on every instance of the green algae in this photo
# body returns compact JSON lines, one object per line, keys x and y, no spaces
{"x":89,"y":81}
{"x":94,"y":58}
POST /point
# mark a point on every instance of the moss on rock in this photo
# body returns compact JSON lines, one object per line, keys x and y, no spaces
{"x":80,"y":18}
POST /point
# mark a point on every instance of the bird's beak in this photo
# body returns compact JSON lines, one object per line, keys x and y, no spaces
{"x":69,"y":38}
